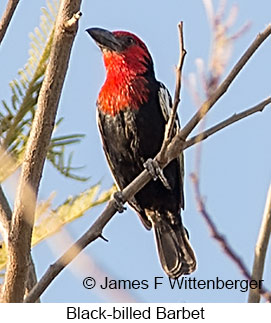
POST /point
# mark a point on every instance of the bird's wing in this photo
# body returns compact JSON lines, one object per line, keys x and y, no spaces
{"x":132,"y":201}
{"x":166,"y":105}
{"x":105,"y":147}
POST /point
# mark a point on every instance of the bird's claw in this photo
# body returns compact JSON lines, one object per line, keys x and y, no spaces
{"x":119,"y":201}
{"x":151,"y":166}
{"x":156,"y":172}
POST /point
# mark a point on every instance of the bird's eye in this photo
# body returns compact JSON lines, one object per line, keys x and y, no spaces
{"x":130,"y":40}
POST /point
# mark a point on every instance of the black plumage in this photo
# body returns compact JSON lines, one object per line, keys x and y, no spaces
{"x":133,"y":133}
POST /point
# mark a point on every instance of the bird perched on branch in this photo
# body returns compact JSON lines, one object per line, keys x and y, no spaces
{"x":133,"y":109}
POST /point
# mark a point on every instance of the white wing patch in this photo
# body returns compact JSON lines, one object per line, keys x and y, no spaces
{"x":166,"y":103}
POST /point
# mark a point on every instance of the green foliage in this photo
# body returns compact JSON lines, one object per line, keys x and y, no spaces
{"x":17,"y":116}
{"x":49,"y":222}
{"x":56,"y":154}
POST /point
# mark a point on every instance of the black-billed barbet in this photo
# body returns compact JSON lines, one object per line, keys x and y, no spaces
{"x":133,"y":109}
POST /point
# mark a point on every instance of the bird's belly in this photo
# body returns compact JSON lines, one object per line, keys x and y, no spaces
{"x":128,"y":143}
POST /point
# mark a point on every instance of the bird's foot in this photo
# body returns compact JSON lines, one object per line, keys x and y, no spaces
{"x":156,"y":172}
{"x":119,"y":201}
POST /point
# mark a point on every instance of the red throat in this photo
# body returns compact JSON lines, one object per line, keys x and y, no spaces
{"x":125,"y":86}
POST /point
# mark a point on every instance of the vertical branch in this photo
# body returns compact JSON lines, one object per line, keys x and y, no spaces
{"x":6,"y":18}
{"x":5,"y":219}
{"x":260,"y":249}
{"x":36,"y":150}
{"x":179,"y":67}
{"x":5,"y":216}
{"x":178,"y":85}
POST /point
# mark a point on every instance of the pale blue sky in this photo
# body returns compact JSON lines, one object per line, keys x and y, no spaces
{"x":235,"y":168}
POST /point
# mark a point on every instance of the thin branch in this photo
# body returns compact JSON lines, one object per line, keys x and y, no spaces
{"x":6,"y":18}
{"x":32,"y":278}
{"x":208,"y":104}
{"x":179,"y":67}
{"x":36,"y":150}
{"x":236,"y":117}
{"x":94,"y":232}
{"x":5,"y":219}
{"x":228,"y":250}
{"x":172,"y":151}
{"x":5,"y":216}
{"x":261,"y":248}
{"x":207,"y":133}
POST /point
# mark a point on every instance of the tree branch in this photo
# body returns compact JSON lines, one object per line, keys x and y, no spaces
{"x":37,"y":145}
{"x":5,"y":219}
{"x":236,"y":117}
{"x":261,"y":248}
{"x":172,"y":151}
{"x":222,"y":89}
{"x":6,"y":18}
{"x":170,"y":124}
{"x":5,"y":216}
{"x":228,"y":250}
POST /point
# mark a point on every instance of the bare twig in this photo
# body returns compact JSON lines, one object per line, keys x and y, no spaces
{"x":228,"y":250}
{"x":260,"y":249}
{"x":5,"y":216}
{"x":179,"y":67}
{"x":208,"y":104}
{"x":236,"y":117}
{"x":6,"y":18}
{"x":5,"y":219}
{"x":172,"y":151}
{"x":43,"y":124}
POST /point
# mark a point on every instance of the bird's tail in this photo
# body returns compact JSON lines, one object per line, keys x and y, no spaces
{"x":176,"y":254}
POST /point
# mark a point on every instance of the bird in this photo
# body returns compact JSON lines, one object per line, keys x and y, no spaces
{"x":133,"y":108}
